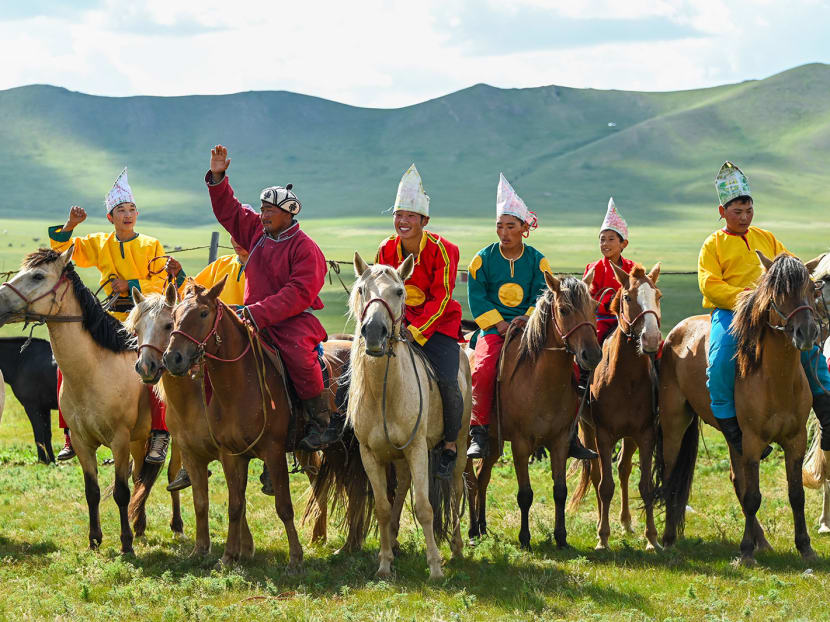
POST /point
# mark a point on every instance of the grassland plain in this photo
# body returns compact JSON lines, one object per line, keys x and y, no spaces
{"x":47,"y":573}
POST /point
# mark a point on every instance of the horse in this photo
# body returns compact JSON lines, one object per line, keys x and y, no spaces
{"x":537,"y":399}
{"x":151,"y":320}
{"x":102,"y":400}
{"x":622,"y":401}
{"x":396,"y":411}
{"x":2,"y":394}
{"x":772,"y":398}
{"x":32,"y":377}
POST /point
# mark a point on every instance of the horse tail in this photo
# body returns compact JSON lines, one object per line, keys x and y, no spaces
{"x":342,"y":482}
{"x":673,"y":493}
{"x":441,"y":498}
{"x":815,"y":464}
{"x":146,"y":478}
{"x":584,"y":483}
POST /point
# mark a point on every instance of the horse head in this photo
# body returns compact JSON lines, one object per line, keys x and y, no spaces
{"x":195,"y":323}
{"x":38,"y":288}
{"x":786,"y":293}
{"x":574,"y":317}
{"x":151,"y":321}
{"x":378,"y":301}
{"x":637,"y":306}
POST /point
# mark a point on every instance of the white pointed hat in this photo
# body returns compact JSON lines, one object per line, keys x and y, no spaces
{"x":411,"y":196}
{"x":731,"y":183}
{"x":614,"y":221}
{"x":120,"y":193}
{"x":510,"y":203}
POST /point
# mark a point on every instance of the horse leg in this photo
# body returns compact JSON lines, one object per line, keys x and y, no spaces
{"x":383,"y":510}
{"x":418,"y":466}
{"x":646,"y":443}
{"x":42,"y":430}
{"x":278,"y":468}
{"x":624,"y":466}
{"x":524,"y":497}
{"x":589,"y":440}
{"x":176,"y":523}
{"x":201,"y":503}
{"x":404,"y":479}
{"x":606,"y":488}
{"x":137,"y":450}
{"x":471,"y":483}
{"x":558,"y":460}
{"x":824,"y":521}
{"x":457,"y":543}
{"x":236,"y":471}
{"x":89,"y":465}
{"x":737,"y":476}
{"x":794,"y":458}
{"x":121,"y":492}
{"x":751,"y":501}
{"x":311,"y":465}
{"x":484,"y":473}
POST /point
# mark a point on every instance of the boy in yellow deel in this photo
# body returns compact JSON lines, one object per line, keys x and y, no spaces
{"x":233,"y":266}
{"x":123,"y":257}
{"x":727,"y":266}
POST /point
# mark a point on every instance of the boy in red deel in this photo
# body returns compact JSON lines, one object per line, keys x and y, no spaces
{"x":284,"y":274}
{"x":432,"y":316}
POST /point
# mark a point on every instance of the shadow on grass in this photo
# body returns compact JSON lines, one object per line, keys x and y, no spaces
{"x":21,"y":550}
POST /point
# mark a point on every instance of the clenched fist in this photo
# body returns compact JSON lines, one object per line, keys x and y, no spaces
{"x":76,"y":216}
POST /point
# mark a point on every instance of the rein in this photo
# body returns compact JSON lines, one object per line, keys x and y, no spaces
{"x":213,"y":332}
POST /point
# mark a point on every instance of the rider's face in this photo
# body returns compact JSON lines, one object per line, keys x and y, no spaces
{"x":410,"y":225}
{"x":738,"y":215}
{"x":510,"y":230}
{"x":124,"y":216}
{"x":274,"y":219}
{"x":611,"y":244}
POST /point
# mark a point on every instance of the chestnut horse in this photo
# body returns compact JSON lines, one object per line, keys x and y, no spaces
{"x":536,"y":397}
{"x":772,"y":399}
{"x":622,"y":400}
{"x":102,"y":400}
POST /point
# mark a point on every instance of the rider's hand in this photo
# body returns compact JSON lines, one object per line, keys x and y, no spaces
{"x":77,"y":215}
{"x":172,"y":266}
{"x":119,"y":286}
{"x":241,"y":311}
{"x":219,"y":162}
{"x":502,"y":327}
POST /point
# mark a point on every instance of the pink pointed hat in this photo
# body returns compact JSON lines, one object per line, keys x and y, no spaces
{"x":510,"y":203}
{"x":120,"y":193}
{"x":614,"y":221}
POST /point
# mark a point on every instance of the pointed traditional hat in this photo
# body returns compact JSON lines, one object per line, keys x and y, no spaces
{"x":120,"y":193}
{"x":614,"y":221}
{"x":731,"y":183}
{"x":411,"y":197}
{"x":510,"y":203}
{"x":282,"y":197}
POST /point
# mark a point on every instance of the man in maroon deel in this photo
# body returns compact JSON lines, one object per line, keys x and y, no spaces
{"x":283,"y":278}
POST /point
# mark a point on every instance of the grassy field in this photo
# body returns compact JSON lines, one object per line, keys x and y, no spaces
{"x":47,"y":573}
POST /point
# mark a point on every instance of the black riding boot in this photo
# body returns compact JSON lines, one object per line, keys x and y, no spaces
{"x":265,"y":480}
{"x":732,"y":432}
{"x":821,"y":406}
{"x":479,"y":441}
{"x":577,"y":450}
{"x":318,"y":432}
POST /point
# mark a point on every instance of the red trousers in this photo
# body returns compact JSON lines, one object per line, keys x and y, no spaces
{"x":485,"y":371}
{"x":157,"y":409}
{"x":296,"y":338}
{"x":605,"y":326}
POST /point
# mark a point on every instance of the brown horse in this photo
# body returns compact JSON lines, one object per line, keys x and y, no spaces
{"x":772,"y":398}
{"x":102,"y":400}
{"x":622,"y":393}
{"x":537,"y":397}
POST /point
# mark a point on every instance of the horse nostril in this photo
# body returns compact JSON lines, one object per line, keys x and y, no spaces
{"x":363,"y":330}
{"x":383,"y":331}
{"x":177,"y":358}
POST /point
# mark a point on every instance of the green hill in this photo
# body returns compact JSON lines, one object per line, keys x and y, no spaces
{"x":556,"y":144}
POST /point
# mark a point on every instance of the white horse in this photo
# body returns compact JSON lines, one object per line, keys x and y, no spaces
{"x":397,"y":415}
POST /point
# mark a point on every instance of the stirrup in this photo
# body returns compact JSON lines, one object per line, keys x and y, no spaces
{"x":446,"y":463}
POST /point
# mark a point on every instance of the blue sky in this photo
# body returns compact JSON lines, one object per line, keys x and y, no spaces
{"x":389,"y":53}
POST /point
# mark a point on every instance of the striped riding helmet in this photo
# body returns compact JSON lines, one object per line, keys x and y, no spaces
{"x":284,"y":198}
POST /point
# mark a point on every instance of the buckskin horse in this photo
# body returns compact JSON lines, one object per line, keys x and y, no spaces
{"x":772,"y":323}
{"x":396,"y":411}
{"x":622,"y":400}
{"x":102,"y":400}
{"x":536,"y":397}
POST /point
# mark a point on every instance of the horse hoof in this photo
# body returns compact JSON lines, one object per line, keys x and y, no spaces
{"x":436,"y":575}
{"x":128,"y":552}
{"x":808,"y":554}
{"x":294,"y":568}
{"x":652,"y":546}
{"x":179,"y":535}
{"x":601,"y":547}
{"x":747,"y":561}
{"x":224,"y":563}
{"x":199,"y":551}
{"x":628,"y":529}
{"x":763,"y":545}
{"x":824,"y":528}
{"x":384,"y":573}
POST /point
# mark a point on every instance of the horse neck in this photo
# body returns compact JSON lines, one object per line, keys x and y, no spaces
{"x":180,"y":391}
{"x":623,"y":355}
{"x":779,"y":358}
{"x":559,"y":359}
{"x":73,"y":347}
{"x":371,"y":371}
{"x":228,"y":379}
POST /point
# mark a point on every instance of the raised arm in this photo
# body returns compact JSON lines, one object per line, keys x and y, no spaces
{"x":243,"y":224}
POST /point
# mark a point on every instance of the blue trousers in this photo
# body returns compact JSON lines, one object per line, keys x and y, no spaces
{"x":720,"y":373}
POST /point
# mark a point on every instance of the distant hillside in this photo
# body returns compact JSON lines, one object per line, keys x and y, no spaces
{"x":566,"y":150}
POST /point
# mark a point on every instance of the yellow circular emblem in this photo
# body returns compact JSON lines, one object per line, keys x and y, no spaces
{"x":511,"y":294}
{"x":414,"y":296}
{"x":544,"y":266}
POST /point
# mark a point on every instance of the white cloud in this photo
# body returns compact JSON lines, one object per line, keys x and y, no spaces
{"x":380,"y":53}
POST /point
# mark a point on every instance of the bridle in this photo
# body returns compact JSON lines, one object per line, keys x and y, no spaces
{"x":41,"y":317}
{"x":788,"y":316}
{"x":396,"y":336}
{"x":201,"y":352}
{"x":563,"y":336}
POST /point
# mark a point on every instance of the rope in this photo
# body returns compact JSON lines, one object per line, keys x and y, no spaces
{"x":389,"y":356}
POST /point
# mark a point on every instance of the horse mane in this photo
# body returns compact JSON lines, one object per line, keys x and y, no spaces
{"x":786,"y":277}
{"x":152,"y":303}
{"x":104,"y":329}
{"x":573,"y":296}
{"x":822,"y":271}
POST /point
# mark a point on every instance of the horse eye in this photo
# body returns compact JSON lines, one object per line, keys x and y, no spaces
{"x":564,"y":310}
{"x":399,"y":291}
{"x":627,"y":298}
{"x":168,"y":326}
{"x":204,"y":313}
{"x":37,"y":276}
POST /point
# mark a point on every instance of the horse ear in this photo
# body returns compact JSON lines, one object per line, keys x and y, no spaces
{"x":360,"y":266}
{"x":66,"y":256}
{"x":765,"y":261}
{"x":589,"y":278}
{"x":137,"y":296}
{"x":552,"y":282}
{"x":622,"y":275}
{"x":406,"y":268}
{"x":813,"y":263}
{"x":655,"y":273}
{"x":214,"y":291}
{"x":171,"y":295}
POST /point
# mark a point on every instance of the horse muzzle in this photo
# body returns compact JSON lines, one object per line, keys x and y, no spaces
{"x":375,"y":338}
{"x":150,"y":372}
{"x":176,"y":363}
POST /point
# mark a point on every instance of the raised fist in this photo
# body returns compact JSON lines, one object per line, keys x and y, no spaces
{"x":76,"y":215}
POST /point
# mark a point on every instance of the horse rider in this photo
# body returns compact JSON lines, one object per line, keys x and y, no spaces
{"x":433,"y":318}
{"x":124,"y":259}
{"x":728,"y":265}
{"x":504,"y":281}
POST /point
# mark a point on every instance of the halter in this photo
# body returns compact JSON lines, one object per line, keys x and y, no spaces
{"x":213,"y":332}
{"x":395,"y":319}
{"x":564,"y":336}
{"x":641,"y":315}
{"x":40,"y":318}
{"x":789,"y":316}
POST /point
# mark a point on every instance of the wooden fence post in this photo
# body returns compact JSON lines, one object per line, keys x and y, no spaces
{"x":214,"y":246}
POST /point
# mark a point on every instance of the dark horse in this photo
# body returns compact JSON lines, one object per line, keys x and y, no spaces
{"x":32,"y":375}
